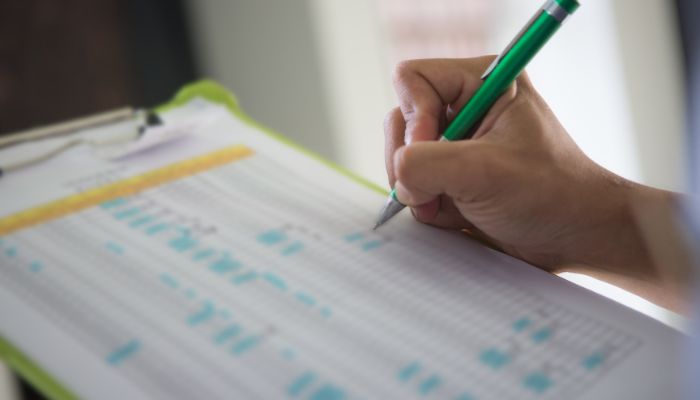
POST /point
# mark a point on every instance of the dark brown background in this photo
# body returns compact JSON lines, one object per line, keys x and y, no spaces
{"x":66,"y":58}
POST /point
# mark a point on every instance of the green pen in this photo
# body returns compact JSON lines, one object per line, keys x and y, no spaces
{"x":497,"y":78}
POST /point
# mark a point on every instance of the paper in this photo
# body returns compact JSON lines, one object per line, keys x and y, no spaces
{"x":261,"y":279}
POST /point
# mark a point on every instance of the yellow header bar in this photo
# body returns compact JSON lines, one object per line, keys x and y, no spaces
{"x":123,"y":188}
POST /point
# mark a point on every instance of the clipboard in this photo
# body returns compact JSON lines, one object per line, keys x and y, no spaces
{"x":540,"y":305}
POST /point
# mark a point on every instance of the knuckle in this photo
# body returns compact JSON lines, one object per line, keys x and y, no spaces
{"x":523,"y":84}
{"x":483,"y":61}
{"x":403,"y":164}
{"x":403,"y":70}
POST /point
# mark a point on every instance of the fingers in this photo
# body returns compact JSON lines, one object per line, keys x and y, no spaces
{"x":440,"y":212}
{"x":447,"y":215}
{"x":444,"y":214}
{"x":424,"y":175}
{"x":427,"y":170}
{"x":394,"y":128}
{"x":426,"y":87}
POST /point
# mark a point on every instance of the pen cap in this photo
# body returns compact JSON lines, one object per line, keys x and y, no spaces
{"x":569,"y":5}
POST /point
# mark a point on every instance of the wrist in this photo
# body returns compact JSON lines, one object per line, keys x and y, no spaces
{"x":611,"y":241}
{"x":614,"y":248}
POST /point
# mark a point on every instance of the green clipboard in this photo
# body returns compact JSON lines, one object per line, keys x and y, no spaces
{"x":215,"y":93}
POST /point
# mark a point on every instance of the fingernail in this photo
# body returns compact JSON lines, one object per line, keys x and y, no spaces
{"x":401,"y":193}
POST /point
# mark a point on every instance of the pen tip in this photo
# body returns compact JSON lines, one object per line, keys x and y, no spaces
{"x":391,"y":208}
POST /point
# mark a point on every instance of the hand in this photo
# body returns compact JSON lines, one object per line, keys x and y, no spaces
{"x":520,"y":184}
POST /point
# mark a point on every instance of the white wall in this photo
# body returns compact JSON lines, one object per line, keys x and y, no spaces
{"x":266,"y":52}
{"x":311,"y":69}
{"x":653,"y":72}
{"x":357,"y":81}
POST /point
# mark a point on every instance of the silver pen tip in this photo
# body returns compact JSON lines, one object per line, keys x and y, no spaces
{"x":391,"y":208}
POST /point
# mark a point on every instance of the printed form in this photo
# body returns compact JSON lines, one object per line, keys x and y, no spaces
{"x":243,"y":268}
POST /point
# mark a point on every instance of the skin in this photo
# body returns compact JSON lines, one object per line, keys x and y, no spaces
{"x":520,"y":184}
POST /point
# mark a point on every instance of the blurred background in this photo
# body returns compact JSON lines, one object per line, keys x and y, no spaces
{"x":620,"y":74}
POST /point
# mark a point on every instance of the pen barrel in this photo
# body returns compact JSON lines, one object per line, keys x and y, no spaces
{"x":502,"y":76}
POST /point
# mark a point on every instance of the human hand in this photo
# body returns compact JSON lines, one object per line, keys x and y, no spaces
{"x":520,"y":184}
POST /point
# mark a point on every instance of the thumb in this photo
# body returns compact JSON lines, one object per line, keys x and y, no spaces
{"x":426,"y":170}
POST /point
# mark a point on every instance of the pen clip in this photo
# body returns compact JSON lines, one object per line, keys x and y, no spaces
{"x":512,"y":43}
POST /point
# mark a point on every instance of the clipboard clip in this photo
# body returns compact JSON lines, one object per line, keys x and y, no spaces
{"x":146,"y":120}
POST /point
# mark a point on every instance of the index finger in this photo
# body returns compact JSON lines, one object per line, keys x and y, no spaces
{"x":426,"y":87}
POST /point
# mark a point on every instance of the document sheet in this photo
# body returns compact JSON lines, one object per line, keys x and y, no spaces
{"x":259,"y":277}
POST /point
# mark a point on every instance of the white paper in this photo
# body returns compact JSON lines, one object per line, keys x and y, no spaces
{"x":261,"y":279}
